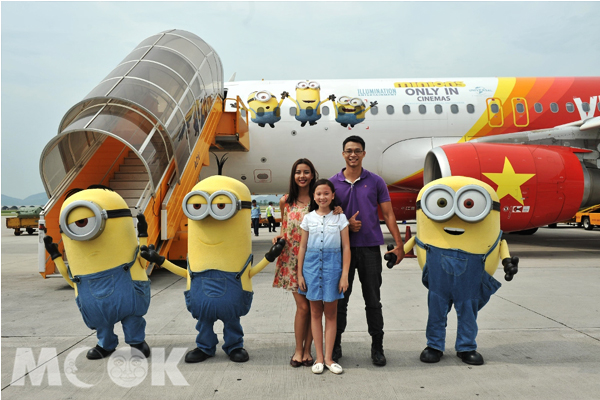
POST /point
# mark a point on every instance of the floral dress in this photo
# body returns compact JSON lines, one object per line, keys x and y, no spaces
{"x":286,"y":271}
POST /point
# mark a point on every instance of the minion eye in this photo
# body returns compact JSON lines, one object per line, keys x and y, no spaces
{"x":197,"y":209}
{"x":438,"y":203}
{"x":83,"y":226}
{"x":314,"y":85}
{"x":222,"y":209}
{"x":473,"y":203}
{"x":263,"y":96}
{"x":195,"y":205}
{"x":344,"y":100}
{"x":356,"y":102}
{"x":302,"y":85}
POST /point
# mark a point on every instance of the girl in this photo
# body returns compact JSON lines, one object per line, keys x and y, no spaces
{"x":323,"y":264}
{"x":294,"y":206}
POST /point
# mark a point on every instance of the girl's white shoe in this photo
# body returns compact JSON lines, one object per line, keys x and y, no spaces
{"x":335,"y":368}
{"x":317,"y":368}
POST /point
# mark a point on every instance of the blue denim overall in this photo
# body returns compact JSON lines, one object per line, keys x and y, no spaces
{"x":456,"y":277}
{"x":107,"y":297}
{"x":218,"y":295}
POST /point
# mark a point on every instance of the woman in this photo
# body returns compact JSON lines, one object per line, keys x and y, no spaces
{"x":294,"y":206}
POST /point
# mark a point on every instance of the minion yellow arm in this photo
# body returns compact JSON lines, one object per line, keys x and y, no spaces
{"x":259,"y":267}
{"x":62,"y":268}
{"x":271,"y":255}
{"x":408,"y":246}
{"x":504,"y":250}
{"x":175,"y":269}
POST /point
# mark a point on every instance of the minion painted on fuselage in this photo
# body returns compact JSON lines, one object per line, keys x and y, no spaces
{"x":350,"y":111}
{"x":308,"y":102}
{"x":264,"y":108}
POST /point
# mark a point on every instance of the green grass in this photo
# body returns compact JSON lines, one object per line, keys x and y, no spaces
{"x":7,"y":213}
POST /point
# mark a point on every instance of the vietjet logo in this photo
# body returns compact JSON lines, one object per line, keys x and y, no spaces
{"x":509,"y":182}
{"x":592,"y":107}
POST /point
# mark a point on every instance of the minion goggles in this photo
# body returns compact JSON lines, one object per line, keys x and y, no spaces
{"x":470,"y":203}
{"x":91,"y":227}
{"x":219,"y":211}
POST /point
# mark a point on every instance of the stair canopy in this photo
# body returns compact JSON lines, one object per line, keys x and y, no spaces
{"x":155,"y":102}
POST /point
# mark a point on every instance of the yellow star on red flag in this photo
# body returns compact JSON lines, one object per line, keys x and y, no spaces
{"x":509,"y":182}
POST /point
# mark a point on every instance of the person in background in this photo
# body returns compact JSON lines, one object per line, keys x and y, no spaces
{"x":270,"y":216}
{"x":255,"y":215}
{"x":360,"y":192}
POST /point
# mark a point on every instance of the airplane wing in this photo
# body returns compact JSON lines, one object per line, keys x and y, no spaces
{"x":583,"y":134}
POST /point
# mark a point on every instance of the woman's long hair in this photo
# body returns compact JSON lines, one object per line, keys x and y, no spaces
{"x":294,"y":189}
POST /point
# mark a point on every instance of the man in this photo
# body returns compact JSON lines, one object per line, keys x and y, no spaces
{"x":270,"y":216}
{"x":360,"y":192}
{"x":255,"y":215}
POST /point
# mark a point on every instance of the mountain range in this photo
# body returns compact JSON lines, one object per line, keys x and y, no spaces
{"x":39,"y":199}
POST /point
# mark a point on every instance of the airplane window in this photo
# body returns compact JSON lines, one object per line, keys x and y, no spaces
{"x":390,"y":109}
{"x":538,"y":108}
{"x":325,"y":110}
{"x":494,"y":108}
{"x":438,"y":109}
{"x":520,"y":108}
{"x":292,"y":111}
{"x":570,"y":107}
{"x":585,"y":106}
{"x":406,"y":109}
{"x":554,"y":107}
{"x":374,"y":110}
{"x":454,"y":109}
{"x":422,"y":109}
{"x":470,"y":108}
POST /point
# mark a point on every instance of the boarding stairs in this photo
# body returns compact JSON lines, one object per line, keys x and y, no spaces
{"x":124,"y":171}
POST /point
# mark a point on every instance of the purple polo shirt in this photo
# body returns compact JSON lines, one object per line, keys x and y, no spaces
{"x":364,"y":195}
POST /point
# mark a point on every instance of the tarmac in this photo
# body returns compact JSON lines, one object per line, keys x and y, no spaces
{"x":539,"y":335}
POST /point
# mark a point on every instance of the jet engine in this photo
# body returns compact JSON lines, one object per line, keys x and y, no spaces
{"x":537,"y":185}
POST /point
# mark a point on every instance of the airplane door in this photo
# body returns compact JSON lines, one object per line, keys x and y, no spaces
{"x":494,"y":110}
{"x":520,"y":112}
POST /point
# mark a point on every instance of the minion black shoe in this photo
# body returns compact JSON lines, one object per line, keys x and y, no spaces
{"x":239,"y":355}
{"x":143,"y":347}
{"x":98,"y":353}
{"x":196,"y":356}
{"x":470,"y":357}
{"x":430,"y":355}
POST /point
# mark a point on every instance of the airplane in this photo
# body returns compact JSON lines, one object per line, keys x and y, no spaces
{"x":535,"y":140}
{"x":164,"y":118}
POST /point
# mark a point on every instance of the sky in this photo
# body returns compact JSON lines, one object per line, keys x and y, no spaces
{"x":54,"y":53}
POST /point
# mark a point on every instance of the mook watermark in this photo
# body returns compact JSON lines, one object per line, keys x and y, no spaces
{"x":126,"y":367}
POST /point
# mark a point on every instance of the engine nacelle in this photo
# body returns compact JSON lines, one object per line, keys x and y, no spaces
{"x":404,"y":205}
{"x":537,"y":185}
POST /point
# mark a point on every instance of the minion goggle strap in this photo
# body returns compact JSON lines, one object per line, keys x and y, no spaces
{"x":197,"y":210}
{"x":470,"y":203}
{"x":91,"y":227}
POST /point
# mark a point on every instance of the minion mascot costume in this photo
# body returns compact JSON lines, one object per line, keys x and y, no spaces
{"x":219,"y":273}
{"x":105,"y":269}
{"x":458,"y":248}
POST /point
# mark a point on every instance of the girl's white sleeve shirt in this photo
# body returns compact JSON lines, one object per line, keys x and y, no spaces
{"x":324,"y":231}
